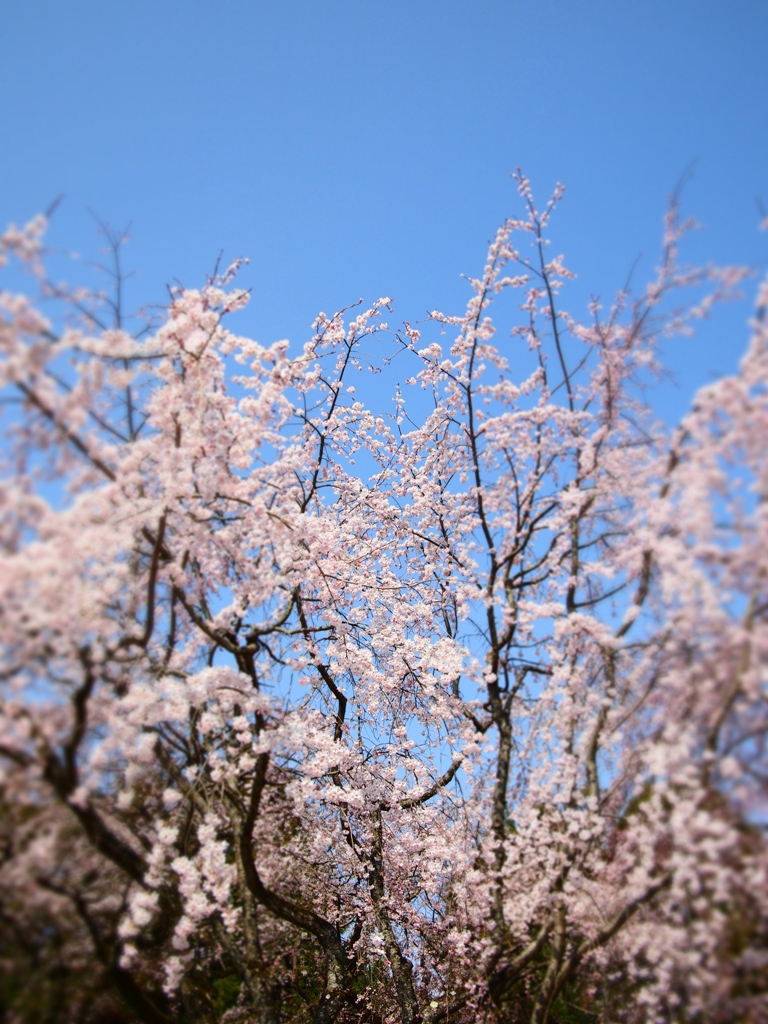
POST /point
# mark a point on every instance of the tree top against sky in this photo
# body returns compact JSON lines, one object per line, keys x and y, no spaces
{"x":352,"y":148}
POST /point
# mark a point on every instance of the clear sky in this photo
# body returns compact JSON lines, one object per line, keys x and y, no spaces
{"x":358,"y":148}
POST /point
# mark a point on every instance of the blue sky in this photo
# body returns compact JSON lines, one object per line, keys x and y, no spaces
{"x":364,"y":148}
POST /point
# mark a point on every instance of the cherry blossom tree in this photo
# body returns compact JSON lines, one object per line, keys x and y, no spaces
{"x":450,"y":708}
